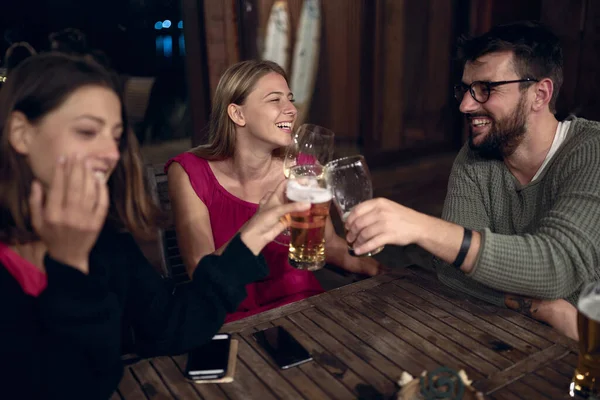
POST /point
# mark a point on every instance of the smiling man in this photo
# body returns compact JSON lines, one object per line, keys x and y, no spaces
{"x":521,"y":220}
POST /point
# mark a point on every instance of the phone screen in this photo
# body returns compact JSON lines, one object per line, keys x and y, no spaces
{"x":282,"y":347}
{"x":210,"y":360}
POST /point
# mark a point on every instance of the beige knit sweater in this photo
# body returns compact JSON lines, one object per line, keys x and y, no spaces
{"x":541,"y":239}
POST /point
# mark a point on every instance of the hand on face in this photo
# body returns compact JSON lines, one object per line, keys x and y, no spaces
{"x":377,"y":222}
{"x":270,"y":219}
{"x":74,"y":212}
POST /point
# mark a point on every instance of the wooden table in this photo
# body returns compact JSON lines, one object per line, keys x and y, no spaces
{"x":362,"y":336}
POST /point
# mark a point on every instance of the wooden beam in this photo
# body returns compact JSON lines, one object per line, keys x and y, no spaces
{"x":196,"y":66}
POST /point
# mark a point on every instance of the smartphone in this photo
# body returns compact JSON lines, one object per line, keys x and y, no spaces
{"x":211,"y":360}
{"x":282,"y":347}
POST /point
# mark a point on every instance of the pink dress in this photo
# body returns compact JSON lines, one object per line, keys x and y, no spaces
{"x":228,"y":213}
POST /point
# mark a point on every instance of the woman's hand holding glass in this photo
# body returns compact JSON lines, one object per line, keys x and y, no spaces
{"x":270,"y":220}
{"x":73,"y":213}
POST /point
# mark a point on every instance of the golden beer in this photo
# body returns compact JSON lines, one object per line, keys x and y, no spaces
{"x":307,"y":228}
{"x":586,"y":380}
{"x":351,"y":245}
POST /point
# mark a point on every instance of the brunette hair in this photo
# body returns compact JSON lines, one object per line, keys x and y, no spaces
{"x":536,"y":50}
{"x":39,"y":85}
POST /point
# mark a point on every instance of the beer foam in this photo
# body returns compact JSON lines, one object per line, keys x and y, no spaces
{"x":590,"y":306}
{"x":307,"y":191}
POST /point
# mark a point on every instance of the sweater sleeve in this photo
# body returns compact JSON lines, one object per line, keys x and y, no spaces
{"x":464,"y":206}
{"x":564,"y":252}
{"x":168,"y":320}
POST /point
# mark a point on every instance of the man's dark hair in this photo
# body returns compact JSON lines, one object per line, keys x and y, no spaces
{"x":537,"y":51}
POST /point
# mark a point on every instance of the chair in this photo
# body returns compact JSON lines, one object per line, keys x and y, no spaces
{"x":172,"y":266}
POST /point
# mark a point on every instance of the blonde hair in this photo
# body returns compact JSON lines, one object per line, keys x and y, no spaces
{"x":235,"y":85}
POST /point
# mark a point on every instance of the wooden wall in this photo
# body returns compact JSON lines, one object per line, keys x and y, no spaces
{"x":384,"y":74}
{"x":386,"y":71}
{"x":577,"y":23}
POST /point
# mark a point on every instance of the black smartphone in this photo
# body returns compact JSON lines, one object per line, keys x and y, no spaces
{"x":211,"y":360}
{"x":282,"y":347}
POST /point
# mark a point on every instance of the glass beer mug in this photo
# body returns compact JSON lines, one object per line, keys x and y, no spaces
{"x":351,"y":184}
{"x":307,"y":228}
{"x":586,"y":379}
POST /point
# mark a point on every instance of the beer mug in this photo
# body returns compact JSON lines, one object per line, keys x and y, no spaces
{"x":586,"y":380}
{"x":350,"y":182}
{"x":307,"y":228}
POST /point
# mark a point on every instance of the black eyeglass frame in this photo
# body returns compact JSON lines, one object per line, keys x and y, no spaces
{"x":463,"y":87}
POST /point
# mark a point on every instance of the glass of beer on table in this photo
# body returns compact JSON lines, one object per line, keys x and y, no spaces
{"x":350,"y":182}
{"x":586,"y":379}
{"x":306,"y":183}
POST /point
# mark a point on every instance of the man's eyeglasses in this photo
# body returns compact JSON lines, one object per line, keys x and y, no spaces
{"x":480,"y":90}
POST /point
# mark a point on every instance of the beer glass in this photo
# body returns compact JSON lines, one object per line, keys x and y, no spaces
{"x":350,"y":182}
{"x":312,"y":144}
{"x":307,"y":228}
{"x":586,"y":379}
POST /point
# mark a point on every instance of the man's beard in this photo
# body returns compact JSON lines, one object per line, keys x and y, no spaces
{"x":504,"y":135}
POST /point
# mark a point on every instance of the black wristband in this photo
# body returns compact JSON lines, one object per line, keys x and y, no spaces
{"x":464,"y":248}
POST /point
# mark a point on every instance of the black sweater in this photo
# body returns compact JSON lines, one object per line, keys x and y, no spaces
{"x":66,"y":343}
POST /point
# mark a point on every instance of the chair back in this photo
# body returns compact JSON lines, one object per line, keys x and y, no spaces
{"x":172,"y":266}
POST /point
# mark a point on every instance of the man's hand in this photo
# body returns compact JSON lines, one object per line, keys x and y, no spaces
{"x":375,"y":223}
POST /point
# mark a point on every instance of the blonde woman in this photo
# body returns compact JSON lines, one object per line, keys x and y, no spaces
{"x":215,"y":188}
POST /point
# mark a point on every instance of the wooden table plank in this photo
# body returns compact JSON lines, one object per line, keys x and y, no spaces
{"x":553,"y":377}
{"x":504,"y":395}
{"x":321,"y":377}
{"x":265,"y":372}
{"x":418,"y":334}
{"x":376,"y":360}
{"x":506,"y":338}
{"x":562,"y":368}
{"x":466,"y":335}
{"x":571,"y":359}
{"x":525,"y":392}
{"x":245,"y":383}
{"x":543,"y":386}
{"x":521,"y":368}
{"x":405,"y":356}
{"x":518,"y":319}
{"x":295,"y":376}
{"x":328,"y":360}
{"x":417,"y":342}
{"x":485,"y":311}
{"x":153,"y":386}
{"x":129,"y":387}
{"x":287,"y":309}
{"x":380,"y":382}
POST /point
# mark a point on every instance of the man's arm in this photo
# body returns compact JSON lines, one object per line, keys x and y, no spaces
{"x":550,"y":263}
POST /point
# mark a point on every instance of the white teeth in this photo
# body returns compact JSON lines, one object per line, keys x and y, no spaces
{"x":480,"y":122}
{"x":283,"y":125}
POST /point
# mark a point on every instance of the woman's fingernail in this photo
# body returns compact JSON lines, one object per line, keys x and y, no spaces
{"x":62,"y":159}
